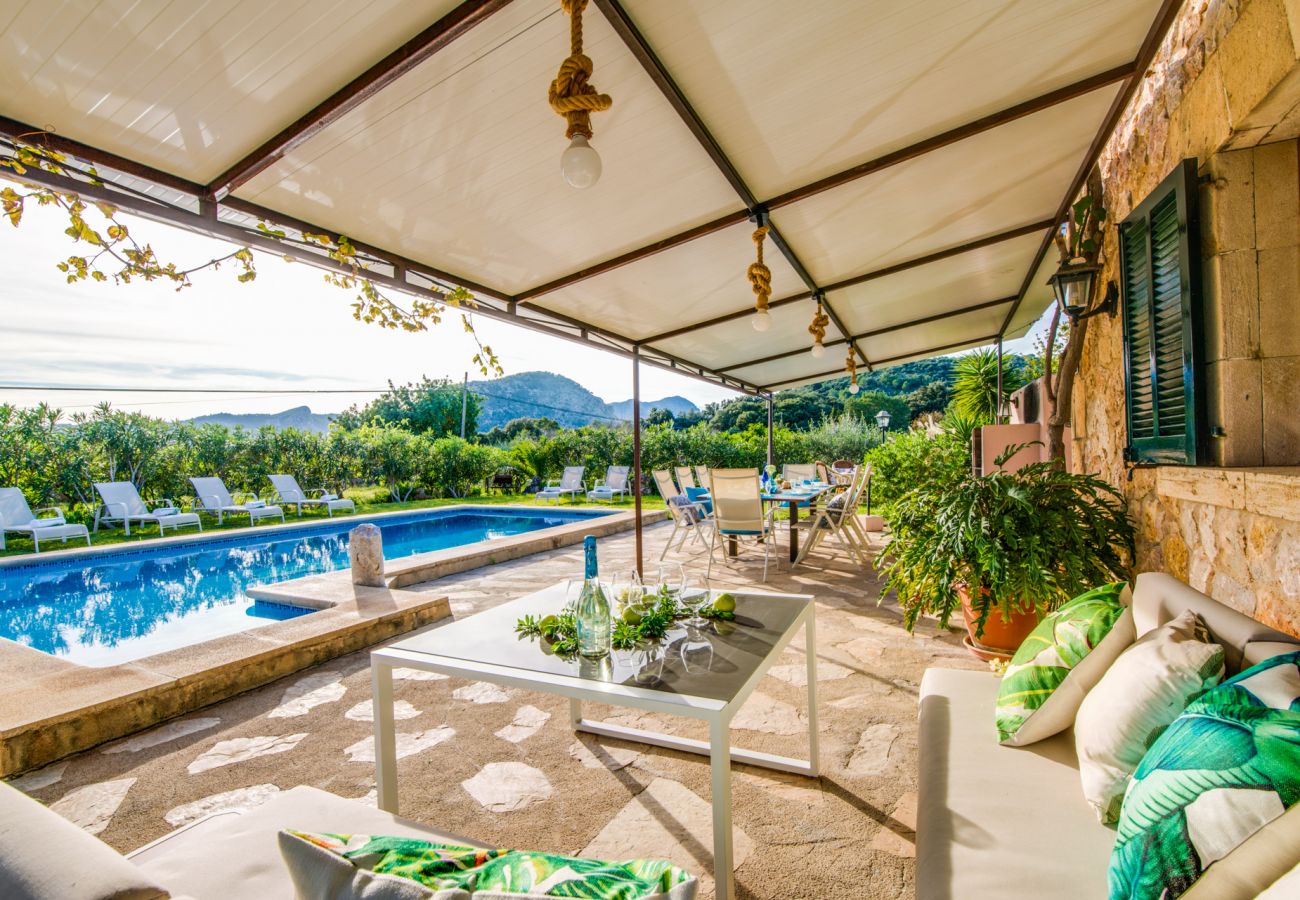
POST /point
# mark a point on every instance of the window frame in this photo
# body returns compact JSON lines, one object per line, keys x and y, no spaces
{"x":1189,"y":448}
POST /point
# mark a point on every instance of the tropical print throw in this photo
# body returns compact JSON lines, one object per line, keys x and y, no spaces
{"x":1055,"y":646}
{"x":446,"y":866}
{"x":1225,"y":769}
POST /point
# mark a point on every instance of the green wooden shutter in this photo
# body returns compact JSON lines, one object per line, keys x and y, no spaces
{"x":1160,"y":272}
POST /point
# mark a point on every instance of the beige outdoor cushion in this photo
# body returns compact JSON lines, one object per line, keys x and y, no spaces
{"x":43,"y":856}
{"x":1285,"y":888}
{"x":994,"y":823}
{"x":1158,"y":597}
{"x":1255,"y":864}
{"x":1258,"y":651}
{"x":1139,"y":696}
{"x":236,"y":856}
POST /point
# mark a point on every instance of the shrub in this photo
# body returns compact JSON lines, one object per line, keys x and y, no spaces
{"x":453,"y":467}
{"x":912,"y":459}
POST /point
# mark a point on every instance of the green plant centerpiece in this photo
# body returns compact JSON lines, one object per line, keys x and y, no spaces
{"x":638,"y":624}
{"x":1016,"y":543}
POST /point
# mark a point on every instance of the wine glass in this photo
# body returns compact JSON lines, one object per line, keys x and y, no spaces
{"x":673,"y":577}
{"x":694,"y":598}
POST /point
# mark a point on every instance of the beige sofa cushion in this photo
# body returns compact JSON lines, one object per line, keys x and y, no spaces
{"x":44,"y":856}
{"x":249,"y":863}
{"x":1139,"y":696}
{"x":1158,"y":598}
{"x":993,"y":821}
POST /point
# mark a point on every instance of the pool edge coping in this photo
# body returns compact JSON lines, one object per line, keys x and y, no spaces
{"x":159,"y":687}
{"x":200,"y":537}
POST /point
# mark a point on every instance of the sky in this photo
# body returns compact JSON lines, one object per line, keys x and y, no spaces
{"x":285,"y":330}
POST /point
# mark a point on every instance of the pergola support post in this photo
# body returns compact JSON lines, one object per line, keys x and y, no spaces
{"x":997,"y":401}
{"x":770,"y":455}
{"x":636,"y":455}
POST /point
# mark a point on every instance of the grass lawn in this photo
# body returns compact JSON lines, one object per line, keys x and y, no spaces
{"x":368,"y":500}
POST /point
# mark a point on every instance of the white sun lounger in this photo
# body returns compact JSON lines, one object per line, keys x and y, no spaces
{"x":17,"y":516}
{"x":288,"y":492}
{"x":122,"y":506}
{"x":215,"y":500}
{"x":615,"y":483}
{"x":570,"y":483}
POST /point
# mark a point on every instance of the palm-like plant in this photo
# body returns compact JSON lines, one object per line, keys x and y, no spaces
{"x":975,"y":384}
{"x":1019,"y":542}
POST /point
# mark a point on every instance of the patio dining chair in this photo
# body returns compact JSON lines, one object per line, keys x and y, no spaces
{"x":686,"y":478}
{"x":570,"y":484}
{"x":738,"y":513}
{"x":702,"y":475}
{"x":615,"y":482}
{"x":688,"y":517}
{"x":795,"y":473}
{"x":121,"y":505}
{"x":289,"y":493}
{"x":215,"y":500}
{"x":838,"y":519}
{"x":17,"y":516}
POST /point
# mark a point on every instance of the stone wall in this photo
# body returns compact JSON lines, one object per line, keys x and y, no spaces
{"x":1225,"y":90}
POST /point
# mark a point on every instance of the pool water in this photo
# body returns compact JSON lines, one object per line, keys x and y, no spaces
{"x":110,"y":607}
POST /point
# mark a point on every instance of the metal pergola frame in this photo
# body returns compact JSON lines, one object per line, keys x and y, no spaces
{"x":210,"y":208}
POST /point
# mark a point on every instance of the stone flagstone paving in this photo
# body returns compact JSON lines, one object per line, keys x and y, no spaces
{"x":504,"y":766}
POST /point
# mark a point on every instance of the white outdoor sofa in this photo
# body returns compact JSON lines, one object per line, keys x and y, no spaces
{"x":570,"y":484}
{"x":17,"y":516}
{"x":232,"y":855}
{"x":289,"y":493}
{"x":615,"y":484}
{"x":215,"y":500}
{"x":122,"y":506}
{"x":1011,"y":822}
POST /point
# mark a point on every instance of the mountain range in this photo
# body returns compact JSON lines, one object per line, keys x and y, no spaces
{"x":548,"y":395}
{"x":525,"y":395}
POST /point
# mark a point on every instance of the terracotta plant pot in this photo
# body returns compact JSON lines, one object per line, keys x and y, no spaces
{"x":1001,"y":638}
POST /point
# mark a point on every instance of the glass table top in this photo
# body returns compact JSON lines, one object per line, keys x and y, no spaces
{"x":712,"y":662}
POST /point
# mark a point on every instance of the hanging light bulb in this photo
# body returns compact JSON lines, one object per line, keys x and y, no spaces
{"x":818,"y":349}
{"x":853,"y":388}
{"x":762,"y":320}
{"x":580,"y":163}
{"x":571,"y":95}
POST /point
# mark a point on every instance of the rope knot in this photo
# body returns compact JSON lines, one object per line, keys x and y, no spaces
{"x":818,"y":326}
{"x":571,"y":95}
{"x":760,"y":276}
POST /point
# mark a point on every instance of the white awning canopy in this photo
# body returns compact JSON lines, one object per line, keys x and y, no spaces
{"x":913,"y":158}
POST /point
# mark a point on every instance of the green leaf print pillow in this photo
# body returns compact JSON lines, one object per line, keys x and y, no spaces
{"x":406,"y":868}
{"x":1225,"y":774}
{"x":1060,"y":661}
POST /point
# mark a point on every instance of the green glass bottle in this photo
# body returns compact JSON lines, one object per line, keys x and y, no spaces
{"x":593,"y":608}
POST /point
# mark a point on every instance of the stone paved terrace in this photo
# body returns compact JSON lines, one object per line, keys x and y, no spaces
{"x":503,"y":766}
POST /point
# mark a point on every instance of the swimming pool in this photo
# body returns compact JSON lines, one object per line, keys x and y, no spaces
{"x":116,"y":605}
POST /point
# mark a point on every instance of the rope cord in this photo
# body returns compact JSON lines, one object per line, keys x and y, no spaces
{"x":571,"y":95}
{"x":760,"y":276}
{"x":851,"y":365}
{"x":818,"y":326}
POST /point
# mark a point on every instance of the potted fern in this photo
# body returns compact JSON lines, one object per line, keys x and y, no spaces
{"x":1006,"y":548}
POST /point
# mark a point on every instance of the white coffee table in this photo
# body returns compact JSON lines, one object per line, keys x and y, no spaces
{"x":725,"y":665}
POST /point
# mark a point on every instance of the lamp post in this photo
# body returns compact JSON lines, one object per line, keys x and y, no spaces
{"x":882,"y":420}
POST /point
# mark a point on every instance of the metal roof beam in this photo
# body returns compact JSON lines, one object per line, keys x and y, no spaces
{"x":212,"y":226}
{"x":968,"y":246}
{"x":1146,"y":53}
{"x":654,"y":67}
{"x":357,"y":91}
{"x":920,"y":354}
{"x":920,"y":148}
{"x":862,"y":336}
